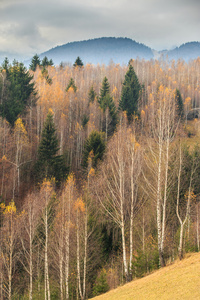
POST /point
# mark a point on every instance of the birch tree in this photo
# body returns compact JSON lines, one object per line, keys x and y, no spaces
{"x":29,"y":221}
{"x":9,"y":253}
{"x":117,"y":191}
{"x":162,"y":129}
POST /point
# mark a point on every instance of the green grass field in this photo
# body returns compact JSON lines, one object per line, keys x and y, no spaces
{"x":180,"y":280}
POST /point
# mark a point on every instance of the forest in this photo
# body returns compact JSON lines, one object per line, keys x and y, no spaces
{"x":99,"y":174}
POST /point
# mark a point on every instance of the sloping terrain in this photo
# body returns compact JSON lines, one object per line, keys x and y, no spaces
{"x":119,"y":50}
{"x":180,"y":280}
{"x":186,"y":51}
{"x":101,"y":50}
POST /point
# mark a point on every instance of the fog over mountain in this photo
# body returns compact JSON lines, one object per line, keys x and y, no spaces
{"x":107,"y":49}
{"x":118,"y":50}
{"x":101,"y":50}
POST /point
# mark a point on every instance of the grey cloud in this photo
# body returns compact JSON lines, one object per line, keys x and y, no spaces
{"x":45,"y":23}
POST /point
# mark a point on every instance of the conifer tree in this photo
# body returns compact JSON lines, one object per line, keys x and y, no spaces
{"x":71,"y":84}
{"x":179,"y":104}
{"x":91,"y":95}
{"x":106,"y":103}
{"x":94,"y":146}
{"x":105,"y":89}
{"x":130,"y":93}
{"x":17,"y":93}
{"x":46,"y":62}
{"x":35,"y":62}
{"x":78,"y":62}
{"x":50,"y":164}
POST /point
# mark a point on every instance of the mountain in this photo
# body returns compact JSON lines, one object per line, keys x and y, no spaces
{"x":180,"y":280}
{"x":101,"y":50}
{"x":186,"y":52}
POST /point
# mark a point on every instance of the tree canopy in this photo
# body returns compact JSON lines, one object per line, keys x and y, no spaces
{"x":49,"y":163}
{"x":130,"y":93}
{"x":78,"y":62}
{"x":35,"y":62}
{"x":94,"y":146}
{"x":16,"y":92}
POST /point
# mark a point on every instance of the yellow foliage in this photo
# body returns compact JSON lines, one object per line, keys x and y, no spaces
{"x":92,"y":172}
{"x":9,"y":209}
{"x":142,"y":114}
{"x":71,"y":90}
{"x":70,"y":180}
{"x":51,"y":111}
{"x":4,"y":158}
{"x":19,"y":127}
{"x":79,"y":205}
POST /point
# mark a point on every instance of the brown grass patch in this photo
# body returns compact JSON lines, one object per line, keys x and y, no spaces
{"x":180,"y":280}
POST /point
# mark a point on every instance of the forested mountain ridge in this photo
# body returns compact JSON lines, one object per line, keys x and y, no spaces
{"x":119,"y":50}
{"x":100,"y":50}
{"x":186,"y":51}
{"x":106,"y":49}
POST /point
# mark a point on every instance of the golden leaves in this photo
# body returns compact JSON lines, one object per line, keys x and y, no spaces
{"x":9,"y":209}
{"x":79,"y":205}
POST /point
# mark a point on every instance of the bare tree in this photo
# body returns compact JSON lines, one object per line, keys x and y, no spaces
{"x":179,"y":212}
{"x":161,"y":132}
{"x":30,"y":219}
{"x":9,"y":253}
{"x":117,"y":192}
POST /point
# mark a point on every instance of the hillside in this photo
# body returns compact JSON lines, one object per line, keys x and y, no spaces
{"x":179,"y":280}
{"x":186,"y":51}
{"x":119,"y":50}
{"x":100,"y":50}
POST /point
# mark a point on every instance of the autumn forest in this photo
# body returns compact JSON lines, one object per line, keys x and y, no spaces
{"x":99,"y":174}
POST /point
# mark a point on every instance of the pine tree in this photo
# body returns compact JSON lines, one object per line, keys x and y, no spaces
{"x":46,"y":62}
{"x":17,"y":93}
{"x":91,"y":95}
{"x":50,"y":164}
{"x":179,"y":104}
{"x":106,"y":102}
{"x":78,"y":62}
{"x":130,"y":94}
{"x":71,"y":84}
{"x":35,"y":62}
{"x":94,"y":146}
{"x":105,"y":89}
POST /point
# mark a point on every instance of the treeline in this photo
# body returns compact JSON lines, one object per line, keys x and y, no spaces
{"x":100,"y":172}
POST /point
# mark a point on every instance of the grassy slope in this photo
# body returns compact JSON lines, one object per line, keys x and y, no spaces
{"x":180,"y":280}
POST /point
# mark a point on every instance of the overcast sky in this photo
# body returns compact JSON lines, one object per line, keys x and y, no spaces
{"x":34,"y":26}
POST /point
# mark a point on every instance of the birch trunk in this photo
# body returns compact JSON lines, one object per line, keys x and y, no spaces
{"x":47,"y":288}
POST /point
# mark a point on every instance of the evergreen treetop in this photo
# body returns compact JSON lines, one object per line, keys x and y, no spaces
{"x":49,"y":163}
{"x":78,"y":62}
{"x":92,"y":95}
{"x":71,"y":84}
{"x":105,"y":89}
{"x":17,"y":92}
{"x":35,"y":62}
{"x":179,"y":104}
{"x":130,"y":93}
{"x":94,"y":144}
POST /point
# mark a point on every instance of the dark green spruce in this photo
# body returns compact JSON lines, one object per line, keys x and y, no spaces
{"x":50,"y":164}
{"x":130,"y":94}
{"x":106,"y":103}
{"x":78,"y":62}
{"x":95,"y":147}
{"x":18,"y":91}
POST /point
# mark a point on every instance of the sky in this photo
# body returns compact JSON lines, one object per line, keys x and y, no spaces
{"x":28,"y":27}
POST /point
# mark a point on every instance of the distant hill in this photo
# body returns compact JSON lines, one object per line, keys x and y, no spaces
{"x":179,"y":280}
{"x":186,"y":52}
{"x":101,"y":50}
